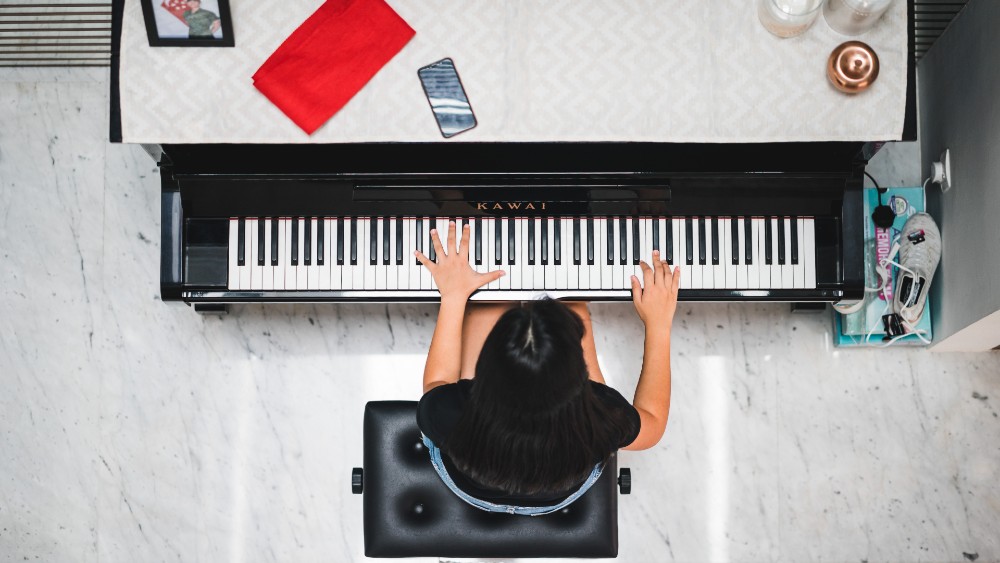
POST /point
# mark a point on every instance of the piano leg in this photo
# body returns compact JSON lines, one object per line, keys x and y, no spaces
{"x":211,"y":308}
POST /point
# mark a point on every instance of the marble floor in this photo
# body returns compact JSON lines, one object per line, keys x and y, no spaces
{"x":133,"y":430}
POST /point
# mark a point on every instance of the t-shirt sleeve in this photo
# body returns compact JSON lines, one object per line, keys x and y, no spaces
{"x":440,"y":408}
{"x":620,"y":405}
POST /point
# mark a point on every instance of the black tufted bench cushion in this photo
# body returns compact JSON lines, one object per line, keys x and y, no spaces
{"x":409,"y":512}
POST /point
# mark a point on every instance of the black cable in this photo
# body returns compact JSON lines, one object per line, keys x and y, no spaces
{"x":883,"y":216}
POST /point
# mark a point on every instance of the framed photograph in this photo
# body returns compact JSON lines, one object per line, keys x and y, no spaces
{"x":188,"y":23}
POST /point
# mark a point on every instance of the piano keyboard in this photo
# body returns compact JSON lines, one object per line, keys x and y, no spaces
{"x":584,"y":254}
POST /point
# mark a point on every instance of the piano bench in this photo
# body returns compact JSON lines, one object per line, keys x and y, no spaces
{"x":409,"y":512}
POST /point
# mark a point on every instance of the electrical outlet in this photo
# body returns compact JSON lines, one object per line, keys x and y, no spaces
{"x":941,"y":171}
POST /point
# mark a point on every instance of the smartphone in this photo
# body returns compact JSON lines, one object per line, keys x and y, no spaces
{"x":447,"y":97}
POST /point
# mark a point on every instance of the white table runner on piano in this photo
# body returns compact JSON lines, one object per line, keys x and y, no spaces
{"x":568,"y":70}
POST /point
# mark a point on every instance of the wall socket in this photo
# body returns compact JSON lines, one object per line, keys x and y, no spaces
{"x":941,"y":171}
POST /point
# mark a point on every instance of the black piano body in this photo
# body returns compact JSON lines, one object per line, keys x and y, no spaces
{"x":207,"y":190}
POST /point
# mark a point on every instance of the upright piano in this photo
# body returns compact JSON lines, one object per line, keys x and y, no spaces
{"x":339,"y":223}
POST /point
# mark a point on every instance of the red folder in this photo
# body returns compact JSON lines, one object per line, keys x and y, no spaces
{"x":330,"y":57}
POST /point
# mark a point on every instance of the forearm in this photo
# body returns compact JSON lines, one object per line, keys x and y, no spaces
{"x":652,"y":394}
{"x":445,"y":355}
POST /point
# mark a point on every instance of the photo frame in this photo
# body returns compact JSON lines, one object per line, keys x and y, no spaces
{"x":188,"y":23}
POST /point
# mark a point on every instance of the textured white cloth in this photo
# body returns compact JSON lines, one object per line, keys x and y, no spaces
{"x":563,"y":70}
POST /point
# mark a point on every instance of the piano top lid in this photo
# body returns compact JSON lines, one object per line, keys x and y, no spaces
{"x":649,"y":70}
{"x":524,"y":159}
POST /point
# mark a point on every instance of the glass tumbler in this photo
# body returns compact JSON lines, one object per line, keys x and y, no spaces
{"x":788,"y":18}
{"x":854,"y":17}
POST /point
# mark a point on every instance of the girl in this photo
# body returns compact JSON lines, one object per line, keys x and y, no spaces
{"x":515,"y":411}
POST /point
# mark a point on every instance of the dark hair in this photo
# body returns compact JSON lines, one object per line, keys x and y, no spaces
{"x":533,"y":423}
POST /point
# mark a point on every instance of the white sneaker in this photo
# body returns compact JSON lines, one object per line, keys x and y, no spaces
{"x":919,"y":254}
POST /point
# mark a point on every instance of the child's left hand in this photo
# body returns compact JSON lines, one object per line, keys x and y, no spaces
{"x":452,"y":273}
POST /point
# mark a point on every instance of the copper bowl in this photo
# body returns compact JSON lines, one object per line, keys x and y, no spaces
{"x":852,"y":67}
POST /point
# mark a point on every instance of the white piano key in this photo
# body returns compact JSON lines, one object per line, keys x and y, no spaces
{"x":676,"y":227}
{"x":490,"y":226}
{"x":645,"y":248}
{"x":696,"y":269}
{"x":483,"y":266}
{"x":551,"y":279}
{"x":313,"y":269}
{"x":381,"y":269}
{"x":595,"y":268}
{"x":409,"y":272}
{"x":538,"y":271}
{"x":572,"y":272}
{"x":755,"y":270}
{"x":514,"y":270}
{"x":787,"y":276}
{"x":333,"y":270}
{"x":728,"y":270}
{"x":251,"y":256}
{"x":267,"y":283}
{"x":809,"y":252}
{"x":504,"y":226}
{"x":582,"y":270}
{"x":765,"y":270}
{"x":361,"y":244}
{"x":347,"y":271}
{"x":234,"y":269}
{"x":680,"y":245}
{"x":719,"y":280}
{"x":742,"y":268}
{"x":799,"y":270}
{"x":708,"y":270}
{"x":369,"y":273}
{"x":286,"y":260}
{"x":776,"y":278}
{"x":527,"y":270}
{"x":425,"y":241}
{"x":630,"y":266}
{"x":662,"y":239}
{"x":302,"y":271}
{"x":621,"y":272}
{"x":392,"y":271}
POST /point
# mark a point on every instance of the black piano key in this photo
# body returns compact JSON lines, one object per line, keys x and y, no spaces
{"x":372,"y":241}
{"x":611,"y":240}
{"x":545,"y":242}
{"x":635,"y":240}
{"x":432,"y":226}
{"x":320,"y":243}
{"x":795,"y":240}
{"x":241,"y":242}
{"x":531,"y":241}
{"x":748,"y":244}
{"x":307,"y":242}
{"x":689,"y":241}
{"x":715,"y":241}
{"x":479,"y":241}
{"x":511,"y":241}
{"x":656,"y":233}
{"x":274,"y":241}
{"x":340,"y":241}
{"x":420,"y":235}
{"x":260,"y":241}
{"x":295,"y":242}
{"x":576,"y":241}
{"x":497,"y":241}
{"x":622,"y":241}
{"x":734,"y":236}
{"x":701,"y":241}
{"x":781,"y":240}
{"x":767,"y":240}
{"x":399,"y":240}
{"x":590,"y":241}
{"x":354,"y":241}
{"x":386,"y":241}
{"x":670,"y":241}
{"x":557,"y":236}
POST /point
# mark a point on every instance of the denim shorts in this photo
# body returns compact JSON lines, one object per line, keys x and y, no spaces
{"x":438,"y":464}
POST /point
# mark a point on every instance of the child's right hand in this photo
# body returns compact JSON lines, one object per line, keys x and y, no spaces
{"x":655,"y":299}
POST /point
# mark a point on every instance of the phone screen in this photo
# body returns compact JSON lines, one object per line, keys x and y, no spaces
{"x":447,"y":97}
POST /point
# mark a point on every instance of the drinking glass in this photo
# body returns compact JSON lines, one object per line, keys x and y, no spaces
{"x":854,"y":17}
{"x":788,"y":18}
